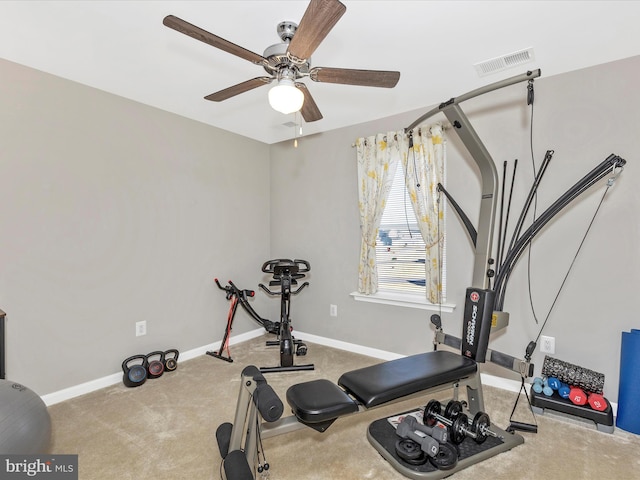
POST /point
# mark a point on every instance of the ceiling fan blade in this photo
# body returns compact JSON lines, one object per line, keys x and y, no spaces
{"x":309,"y":110}
{"x":238,"y":89}
{"x":316,"y":23}
{"x":346,"y":76}
{"x":187,"y":28}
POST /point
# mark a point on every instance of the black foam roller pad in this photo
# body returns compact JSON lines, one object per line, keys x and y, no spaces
{"x":223,"y":436}
{"x":236,"y":466}
{"x":586,"y":379}
{"x":269,"y":404}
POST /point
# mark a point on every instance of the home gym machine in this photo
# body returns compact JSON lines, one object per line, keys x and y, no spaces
{"x":286,"y":274}
{"x":319,"y":403}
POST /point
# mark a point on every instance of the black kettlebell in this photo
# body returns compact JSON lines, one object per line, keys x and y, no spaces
{"x":135,"y":375}
{"x":171,"y":363}
{"x":155,"y":368}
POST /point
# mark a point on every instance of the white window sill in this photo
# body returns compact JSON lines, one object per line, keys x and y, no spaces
{"x":403,"y":300}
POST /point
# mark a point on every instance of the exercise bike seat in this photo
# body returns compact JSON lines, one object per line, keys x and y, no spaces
{"x":387,"y":381}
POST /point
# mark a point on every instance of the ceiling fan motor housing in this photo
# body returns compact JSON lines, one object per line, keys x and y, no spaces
{"x":277,"y":57}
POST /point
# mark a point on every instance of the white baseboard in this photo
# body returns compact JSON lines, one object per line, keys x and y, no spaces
{"x":87,"y":387}
{"x":352,"y":347}
{"x":97,"y":384}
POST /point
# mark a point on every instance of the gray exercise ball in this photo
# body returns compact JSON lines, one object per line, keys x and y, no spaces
{"x":25,"y":425}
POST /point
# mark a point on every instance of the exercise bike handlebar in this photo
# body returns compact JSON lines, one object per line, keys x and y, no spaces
{"x":293,"y":292}
{"x":277,"y":265}
{"x":231,"y":289}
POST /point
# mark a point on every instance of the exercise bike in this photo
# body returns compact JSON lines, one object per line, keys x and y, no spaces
{"x":286,"y":274}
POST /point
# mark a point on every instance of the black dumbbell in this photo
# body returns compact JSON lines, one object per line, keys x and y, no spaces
{"x":460,"y":427}
{"x":440,"y":434}
{"x":479,"y":425}
{"x":428,"y":445}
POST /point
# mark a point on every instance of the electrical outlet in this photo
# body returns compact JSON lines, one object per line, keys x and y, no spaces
{"x":141,"y":328}
{"x":547,"y":344}
{"x":333,"y":310}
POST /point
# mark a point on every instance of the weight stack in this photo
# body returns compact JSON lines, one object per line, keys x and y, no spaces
{"x":628,"y":417}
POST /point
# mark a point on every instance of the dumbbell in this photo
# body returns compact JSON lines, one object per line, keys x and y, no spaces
{"x":564,"y":391}
{"x":595,"y":400}
{"x":577,"y":396}
{"x":542,"y":386}
{"x":554,"y":383}
{"x":461,"y":427}
{"x":440,"y":434}
{"x":478,"y":424}
{"x":562,"y":388}
{"x":428,"y":445}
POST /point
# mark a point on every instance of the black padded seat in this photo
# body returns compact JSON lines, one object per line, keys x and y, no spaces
{"x":319,"y":401}
{"x":394,"y":379}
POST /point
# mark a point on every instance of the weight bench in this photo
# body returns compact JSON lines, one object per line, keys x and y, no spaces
{"x":319,"y":403}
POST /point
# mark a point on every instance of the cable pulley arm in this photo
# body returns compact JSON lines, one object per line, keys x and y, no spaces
{"x":463,"y":216}
{"x":611,"y":163}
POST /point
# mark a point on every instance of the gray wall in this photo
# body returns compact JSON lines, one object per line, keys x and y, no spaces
{"x":584,"y":116}
{"x":113,"y":212}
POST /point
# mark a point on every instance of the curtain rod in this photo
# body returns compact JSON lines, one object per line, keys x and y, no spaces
{"x":445,"y":126}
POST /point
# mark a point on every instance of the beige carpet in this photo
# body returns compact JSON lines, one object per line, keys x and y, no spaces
{"x":165,"y":429}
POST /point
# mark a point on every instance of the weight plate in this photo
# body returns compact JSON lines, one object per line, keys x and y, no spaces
{"x":410,"y":452}
{"x":479,"y":426}
{"x":447,"y":457}
{"x":458,"y":429}
{"x":453,"y":409}
{"x":433,"y":407}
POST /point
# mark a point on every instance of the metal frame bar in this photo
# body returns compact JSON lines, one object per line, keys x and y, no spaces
{"x":489,"y":175}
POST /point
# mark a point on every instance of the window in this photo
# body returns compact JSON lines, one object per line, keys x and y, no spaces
{"x":400,"y":249}
{"x":394,"y":266}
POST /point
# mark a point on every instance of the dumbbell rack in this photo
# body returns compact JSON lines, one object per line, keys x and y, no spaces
{"x":382,"y":436}
{"x":603,"y":420}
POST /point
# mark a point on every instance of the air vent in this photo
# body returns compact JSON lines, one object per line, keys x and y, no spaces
{"x":504,"y":62}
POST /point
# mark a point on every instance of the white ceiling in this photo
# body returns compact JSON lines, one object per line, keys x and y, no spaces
{"x":122,"y":47}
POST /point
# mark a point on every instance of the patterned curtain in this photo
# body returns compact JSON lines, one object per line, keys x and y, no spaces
{"x":424,"y":169}
{"x":378,"y":158}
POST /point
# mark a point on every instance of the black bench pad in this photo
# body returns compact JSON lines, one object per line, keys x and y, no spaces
{"x":387,"y":381}
{"x":319,"y":401}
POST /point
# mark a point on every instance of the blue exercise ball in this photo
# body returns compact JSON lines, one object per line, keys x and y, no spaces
{"x":25,"y":425}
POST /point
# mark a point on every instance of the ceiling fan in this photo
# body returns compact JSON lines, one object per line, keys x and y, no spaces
{"x":289,"y":61}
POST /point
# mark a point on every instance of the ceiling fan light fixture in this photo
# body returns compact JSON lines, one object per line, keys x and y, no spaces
{"x":285,"y":97}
